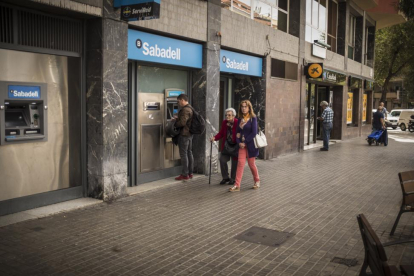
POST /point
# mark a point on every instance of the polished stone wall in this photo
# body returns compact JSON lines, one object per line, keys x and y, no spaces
{"x":107,"y":95}
{"x":254,"y":90}
{"x":206,"y":90}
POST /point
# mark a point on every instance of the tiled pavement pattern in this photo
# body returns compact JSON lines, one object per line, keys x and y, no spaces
{"x":189,"y":228}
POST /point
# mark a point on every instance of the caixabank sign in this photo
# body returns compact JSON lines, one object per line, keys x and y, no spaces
{"x":133,"y":10}
{"x":232,"y":62}
{"x":155,"y":48}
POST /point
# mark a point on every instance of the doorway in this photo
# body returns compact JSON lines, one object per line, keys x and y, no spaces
{"x":314,"y":95}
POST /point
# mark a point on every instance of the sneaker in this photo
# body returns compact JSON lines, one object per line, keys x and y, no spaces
{"x":190,"y":176}
{"x":182,"y":177}
{"x":234,"y":189}
{"x":224,"y":181}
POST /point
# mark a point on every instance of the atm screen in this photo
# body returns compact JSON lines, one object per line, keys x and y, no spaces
{"x":15,"y":118}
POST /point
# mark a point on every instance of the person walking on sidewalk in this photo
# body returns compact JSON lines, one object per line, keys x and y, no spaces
{"x":378,"y":123}
{"x":327,"y":121}
{"x":185,"y":140}
{"x":246,"y":132}
{"x":227,"y":134}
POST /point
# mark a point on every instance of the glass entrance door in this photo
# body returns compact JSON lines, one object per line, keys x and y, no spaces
{"x":323,"y":95}
{"x":310,"y":114}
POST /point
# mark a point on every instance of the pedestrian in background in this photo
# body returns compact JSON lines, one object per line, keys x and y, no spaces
{"x":185,"y":140}
{"x":246,"y":132}
{"x":378,"y":123}
{"x":384,"y":110}
{"x":227,"y":135}
{"x":327,"y":124}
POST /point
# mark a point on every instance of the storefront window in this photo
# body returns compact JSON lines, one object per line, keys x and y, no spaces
{"x":349,"y":106}
{"x":156,"y":80}
{"x":364,"y":107}
{"x":274,"y":13}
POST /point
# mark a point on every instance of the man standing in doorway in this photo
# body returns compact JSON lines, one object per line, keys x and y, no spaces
{"x":185,"y":140}
{"x":327,"y":120}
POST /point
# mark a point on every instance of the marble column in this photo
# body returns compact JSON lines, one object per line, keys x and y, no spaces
{"x":254,"y":90}
{"x":107,"y":97}
{"x":206,"y":90}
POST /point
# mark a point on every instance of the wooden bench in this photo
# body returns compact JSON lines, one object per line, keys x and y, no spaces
{"x":375,"y":257}
{"x":407,"y":188}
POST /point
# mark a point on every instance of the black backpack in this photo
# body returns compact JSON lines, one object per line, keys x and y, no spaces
{"x":198,"y":124}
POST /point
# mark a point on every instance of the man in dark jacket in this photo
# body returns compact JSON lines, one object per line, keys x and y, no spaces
{"x":378,"y":123}
{"x":185,"y":140}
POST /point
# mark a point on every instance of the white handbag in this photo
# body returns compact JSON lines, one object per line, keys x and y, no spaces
{"x":260,"y":140}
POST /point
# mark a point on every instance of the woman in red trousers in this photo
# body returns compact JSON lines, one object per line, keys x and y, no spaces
{"x":246,"y":132}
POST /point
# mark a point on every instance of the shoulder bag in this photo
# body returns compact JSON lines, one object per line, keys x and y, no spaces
{"x":260,"y":140}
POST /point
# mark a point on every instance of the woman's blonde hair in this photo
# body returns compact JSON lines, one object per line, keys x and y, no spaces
{"x":249,"y":104}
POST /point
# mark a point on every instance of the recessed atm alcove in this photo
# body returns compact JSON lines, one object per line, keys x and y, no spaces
{"x":23,"y":112}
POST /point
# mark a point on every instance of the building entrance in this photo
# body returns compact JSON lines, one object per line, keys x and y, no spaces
{"x":314,"y":95}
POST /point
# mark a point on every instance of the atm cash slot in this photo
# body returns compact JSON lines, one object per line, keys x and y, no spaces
{"x":152,"y":106}
{"x":24,"y":138}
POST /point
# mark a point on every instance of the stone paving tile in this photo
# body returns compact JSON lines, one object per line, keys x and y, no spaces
{"x":189,"y":228}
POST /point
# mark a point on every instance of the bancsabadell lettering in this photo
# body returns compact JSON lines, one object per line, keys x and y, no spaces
{"x":233,"y":64}
{"x":22,"y":94}
{"x":156,"y":51}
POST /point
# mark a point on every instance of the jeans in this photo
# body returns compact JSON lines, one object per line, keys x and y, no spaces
{"x":327,"y":127}
{"x":185,"y":144}
{"x":225,"y":169}
{"x":243,"y":154}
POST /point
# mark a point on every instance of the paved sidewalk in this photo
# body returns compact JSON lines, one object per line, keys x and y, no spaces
{"x":189,"y":228}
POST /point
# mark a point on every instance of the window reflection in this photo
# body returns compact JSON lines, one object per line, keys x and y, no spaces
{"x":262,"y":13}
{"x":321,"y":22}
{"x":242,"y":7}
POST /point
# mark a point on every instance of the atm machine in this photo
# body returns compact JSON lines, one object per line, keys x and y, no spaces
{"x":23,"y":112}
{"x":172,"y":153}
{"x":156,"y":151}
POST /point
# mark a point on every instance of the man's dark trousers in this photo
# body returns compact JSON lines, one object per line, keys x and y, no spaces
{"x":185,"y":144}
{"x":327,"y":127}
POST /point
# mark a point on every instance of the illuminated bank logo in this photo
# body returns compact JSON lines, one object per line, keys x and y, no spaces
{"x":157,"y":51}
{"x":127,"y":12}
{"x":233,"y":64}
{"x":315,"y":70}
{"x":24,"y":92}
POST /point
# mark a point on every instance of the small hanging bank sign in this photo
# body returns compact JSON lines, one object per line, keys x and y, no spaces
{"x":155,"y":48}
{"x":232,"y":62}
{"x":134,"y":10}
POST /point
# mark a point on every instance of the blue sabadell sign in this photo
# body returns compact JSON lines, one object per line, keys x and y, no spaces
{"x":23,"y":92}
{"x":155,"y":48}
{"x":232,"y":62}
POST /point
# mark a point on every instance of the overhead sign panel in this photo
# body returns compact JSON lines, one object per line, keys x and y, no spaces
{"x":232,"y":62}
{"x":155,"y":48}
{"x":133,"y":10}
